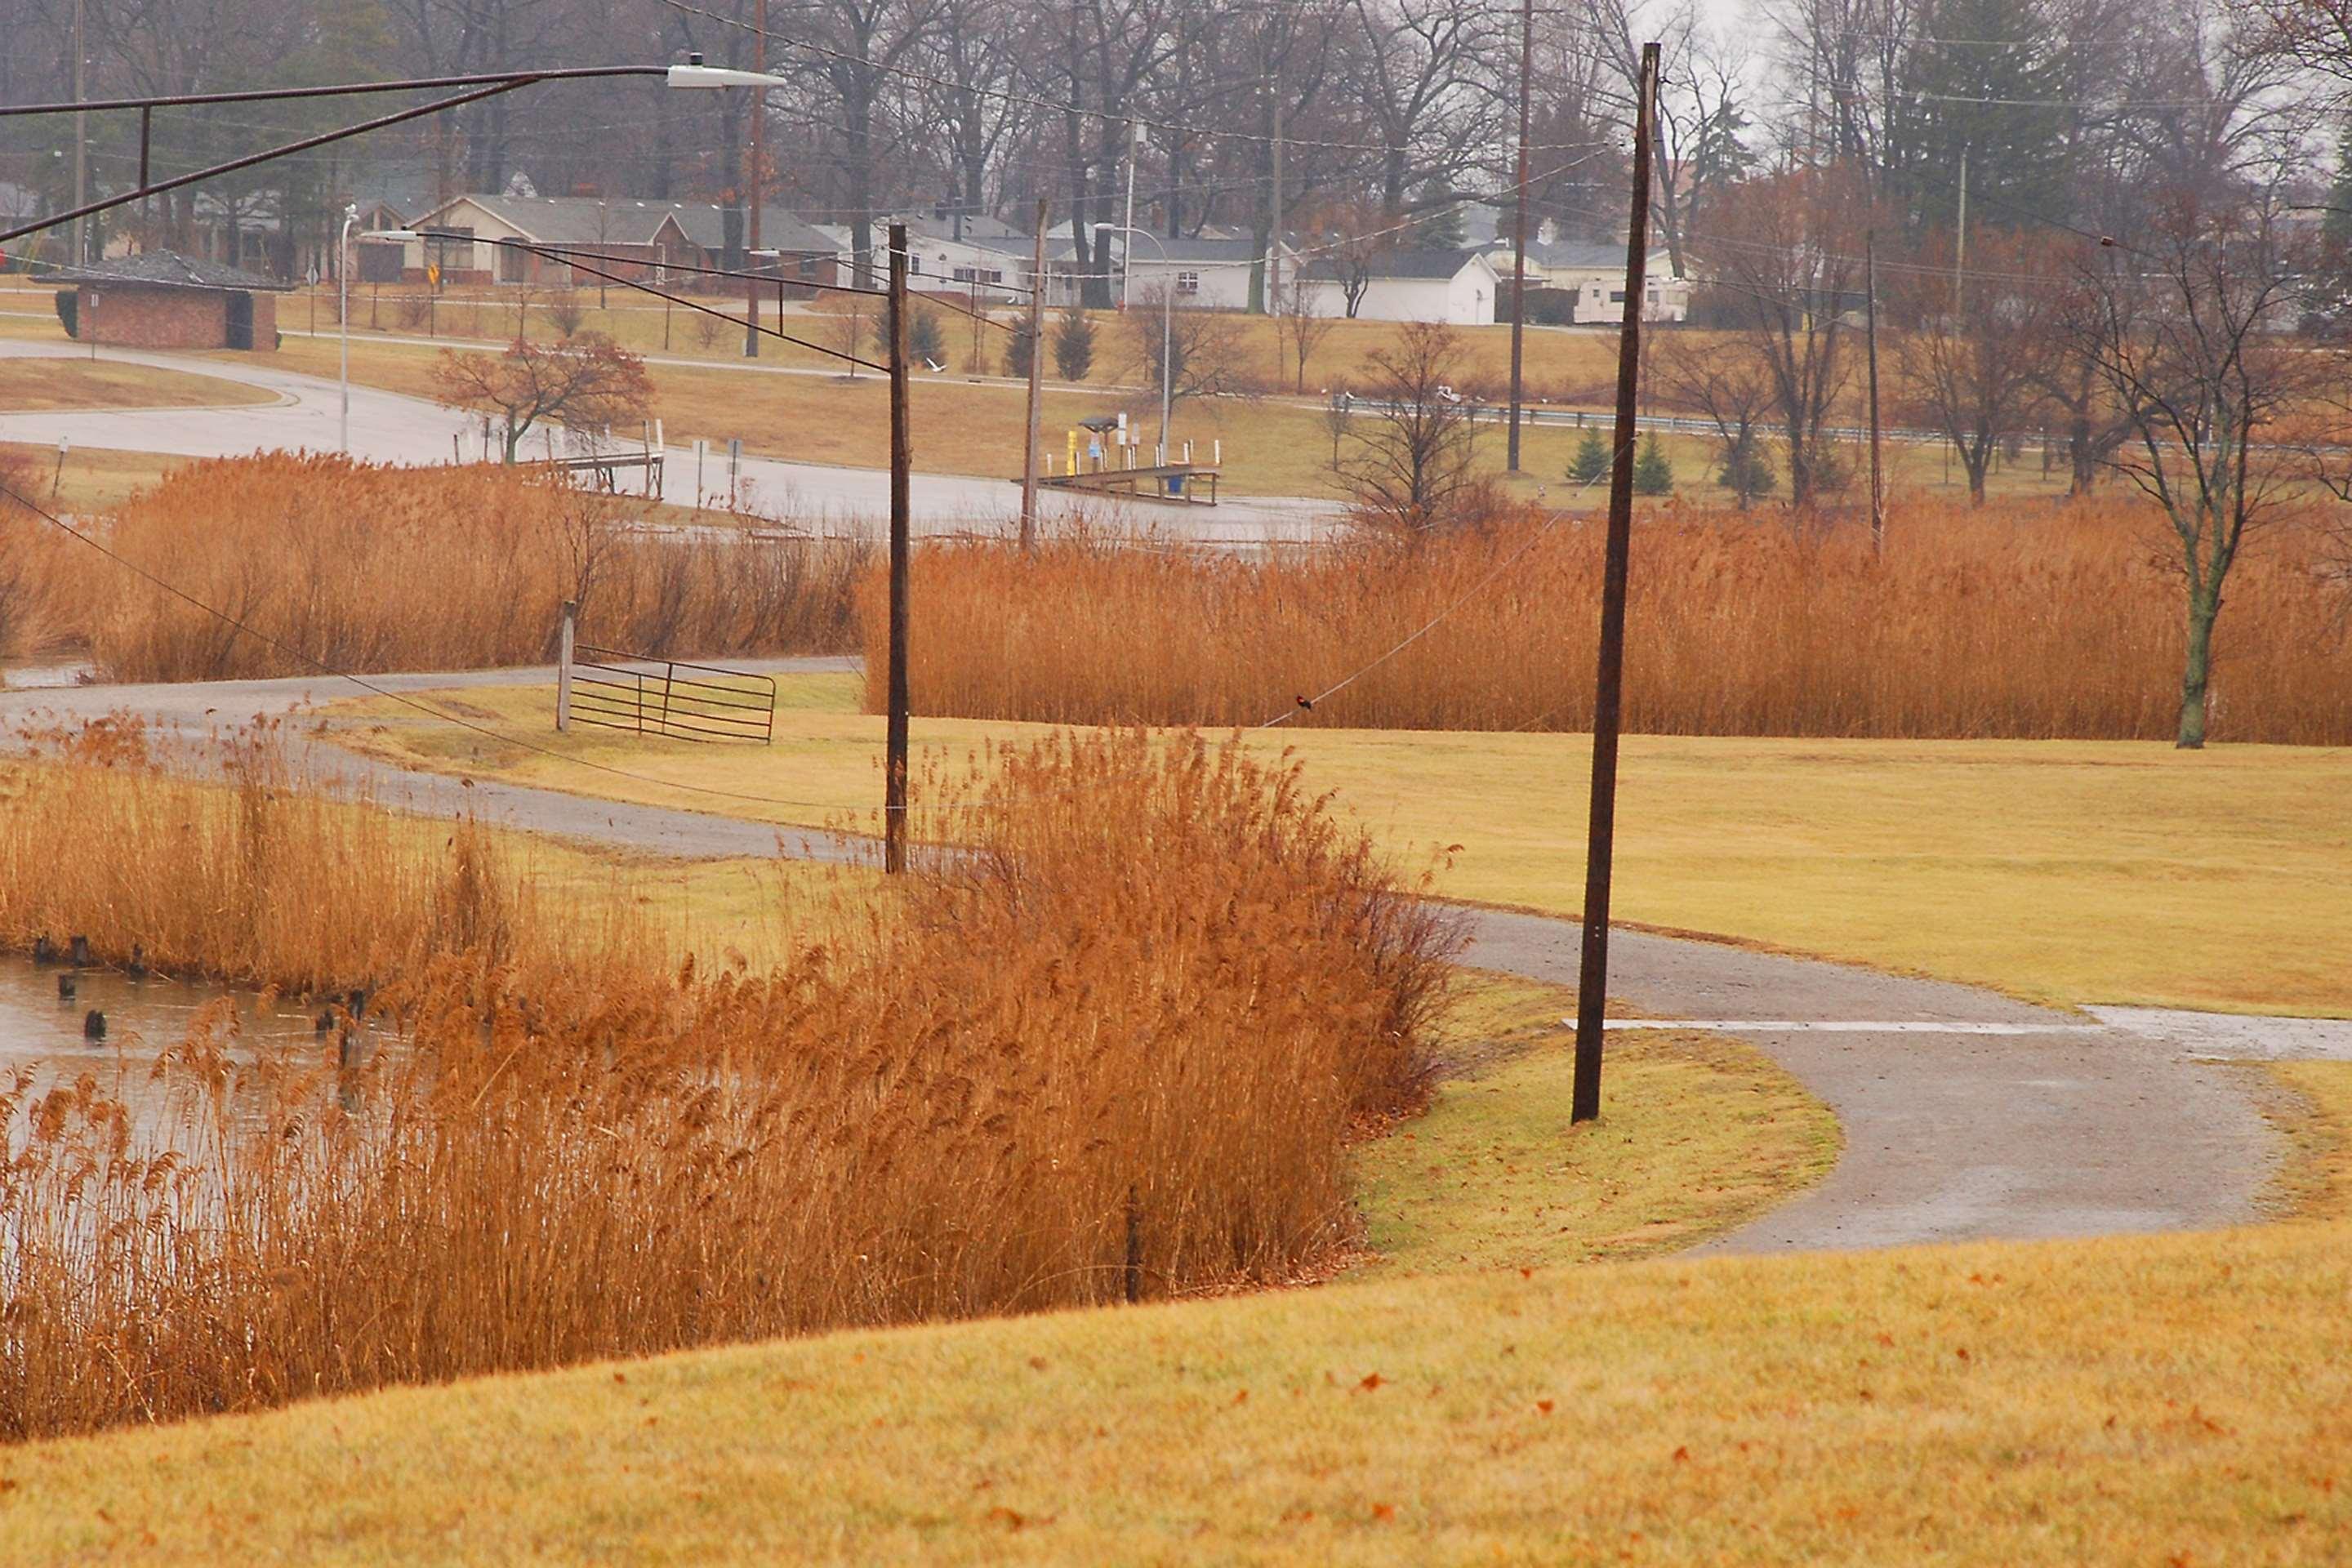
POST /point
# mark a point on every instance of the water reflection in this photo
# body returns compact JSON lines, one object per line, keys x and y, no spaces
{"x":41,"y":1029}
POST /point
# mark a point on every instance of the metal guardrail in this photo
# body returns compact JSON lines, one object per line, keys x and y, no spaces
{"x":668,"y":697}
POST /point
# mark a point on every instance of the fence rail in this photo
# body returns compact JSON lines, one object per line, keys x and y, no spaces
{"x":668,"y":697}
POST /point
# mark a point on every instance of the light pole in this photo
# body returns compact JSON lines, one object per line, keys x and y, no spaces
{"x":343,"y":314}
{"x":1167,"y":321}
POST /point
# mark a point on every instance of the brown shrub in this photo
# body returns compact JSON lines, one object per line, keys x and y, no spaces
{"x":2024,"y":623}
{"x":1118,"y":1048}
{"x":365,"y":568}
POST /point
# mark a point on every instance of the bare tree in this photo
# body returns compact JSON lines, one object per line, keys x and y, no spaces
{"x":847,"y":326}
{"x":1787,"y":259}
{"x":588,"y":383}
{"x":1206,"y":353}
{"x":1302,"y":327}
{"x":1407,"y":466}
{"x":2188,"y":331}
{"x":1734,"y":389}
{"x":1973,"y":363}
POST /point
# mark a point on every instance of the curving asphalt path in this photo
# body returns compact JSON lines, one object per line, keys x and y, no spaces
{"x":2061,"y":1126}
{"x":388,"y":427}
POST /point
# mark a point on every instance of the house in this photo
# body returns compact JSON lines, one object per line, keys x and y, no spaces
{"x":1456,"y":287}
{"x":460,"y":240}
{"x":1589,"y":280}
{"x":789,"y":248}
{"x":162,"y":299}
{"x":1207,"y":274}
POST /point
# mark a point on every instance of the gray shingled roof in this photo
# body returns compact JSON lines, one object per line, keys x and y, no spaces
{"x":1402,"y":264}
{"x":576,"y":221}
{"x":170,"y":269}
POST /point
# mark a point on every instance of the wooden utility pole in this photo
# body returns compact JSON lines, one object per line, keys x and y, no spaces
{"x":1593,"y":975}
{"x":757,"y":181}
{"x":1870,"y":338}
{"x":1037,"y":384}
{"x":1519,"y":231}
{"x":81,"y":147}
{"x":1274,"y":248}
{"x":894,"y":762}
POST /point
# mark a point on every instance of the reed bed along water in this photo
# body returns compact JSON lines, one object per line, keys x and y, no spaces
{"x":1115,"y":1048}
{"x":2010,"y":622}
{"x":375,"y":568}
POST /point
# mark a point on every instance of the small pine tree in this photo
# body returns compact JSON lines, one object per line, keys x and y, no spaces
{"x":1073,"y":344}
{"x":924,"y":341}
{"x":1592,"y":463}
{"x":1016,"y":353}
{"x":1748,"y":469}
{"x":1653,"y":474}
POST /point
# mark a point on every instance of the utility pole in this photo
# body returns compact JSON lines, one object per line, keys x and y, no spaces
{"x":1960,"y":240}
{"x":81,"y":147}
{"x":1037,"y":384}
{"x":758,"y":182}
{"x":1127,"y":247}
{"x":894,"y":760}
{"x":1592,"y":974}
{"x":1870,"y":337}
{"x":1519,"y":231}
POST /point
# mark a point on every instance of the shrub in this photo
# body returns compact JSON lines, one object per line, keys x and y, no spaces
{"x":1591,"y":462}
{"x":924,"y":341}
{"x":1654,"y":475}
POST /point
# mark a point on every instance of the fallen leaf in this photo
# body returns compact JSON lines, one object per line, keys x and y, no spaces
{"x":1543,"y":1406}
{"x":1383,"y":1511}
{"x":1243,"y":1397}
{"x":1372,"y":1380}
{"x":1037,"y":1363}
{"x":1681,"y":1456}
{"x":1006,"y":1517}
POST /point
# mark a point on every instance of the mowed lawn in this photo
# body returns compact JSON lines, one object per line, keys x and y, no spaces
{"x":49,"y":385}
{"x":2062,"y":871}
{"x":2176,"y":1400}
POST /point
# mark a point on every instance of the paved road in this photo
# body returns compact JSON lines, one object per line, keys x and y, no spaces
{"x":388,"y":427}
{"x":2062,"y":1128}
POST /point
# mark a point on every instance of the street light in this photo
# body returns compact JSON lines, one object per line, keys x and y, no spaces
{"x":1167,"y":323}
{"x":343,"y":314}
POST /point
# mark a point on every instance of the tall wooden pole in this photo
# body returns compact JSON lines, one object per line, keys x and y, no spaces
{"x":1593,"y":975}
{"x":1037,"y":384}
{"x":894,"y":763}
{"x":1519,"y":231}
{"x":1870,"y":337}
{"x":81,"y":147}
{"x":757,"y":181}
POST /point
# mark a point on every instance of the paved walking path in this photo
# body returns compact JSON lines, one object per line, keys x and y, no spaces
{"x":2019,"y":1122}
{"x":388,"y":427}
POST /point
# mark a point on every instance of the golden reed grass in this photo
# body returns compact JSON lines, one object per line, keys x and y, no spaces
{"x":371,"y":568}
{"x":2009,"y":622}
{"x":1116,"y":1048}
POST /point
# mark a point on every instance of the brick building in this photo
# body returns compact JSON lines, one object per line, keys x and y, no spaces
{"x":162,"y":299}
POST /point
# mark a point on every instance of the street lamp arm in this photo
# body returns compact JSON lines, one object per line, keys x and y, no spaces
{"x":339,"y":89}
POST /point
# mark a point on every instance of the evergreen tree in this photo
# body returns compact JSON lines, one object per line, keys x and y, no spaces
{"x":1653,"y":474}
{"x":1439,"y":227}
{"x":1746,"y":470}
{"x":1591,"y":465}
{"x":1016,"y":353}
{"x":924,"y":341}
{"x":1989,"y":85}
{"x":1073,"y":344}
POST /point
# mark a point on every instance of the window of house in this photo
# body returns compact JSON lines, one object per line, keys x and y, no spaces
{"x":914,"y":265}
{"x":1188,"y":283}
{"x":1616,"y":295}
{"x":964,"y":275}
{"x":993,"y":275}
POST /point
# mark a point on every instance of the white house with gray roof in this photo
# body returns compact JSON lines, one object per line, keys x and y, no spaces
{"x":1453,"y":286}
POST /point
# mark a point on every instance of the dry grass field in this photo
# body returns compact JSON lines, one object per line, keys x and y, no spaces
{"x":2064,"y":871}
{"x":981,"y":1098}
{"x":91,"y":478}
{"x":328,"y":563}
{"x":2007,"y":622}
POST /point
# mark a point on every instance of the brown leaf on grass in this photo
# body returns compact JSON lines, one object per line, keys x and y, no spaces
{"x":1384,"y":1511}
{"x":1037,"y":1363}
{"x":1543,"y":1406}
{"x":1681,"y":1456}
{"x":1243,"y":1397}
{"x":1372,"y":1380}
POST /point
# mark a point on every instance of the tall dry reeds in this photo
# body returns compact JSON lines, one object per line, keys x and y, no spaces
{"x":1115,"y":1049}
{"x":2033,"y":623}
{"x":364,"y":568}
